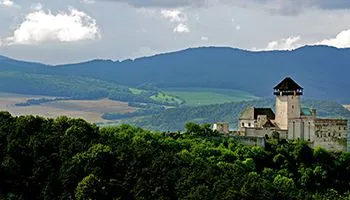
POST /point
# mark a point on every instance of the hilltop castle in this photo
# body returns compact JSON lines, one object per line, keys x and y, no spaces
{"x":291,"y":121}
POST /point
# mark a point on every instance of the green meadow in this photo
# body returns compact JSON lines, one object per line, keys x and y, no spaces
{"x":208,"y":96}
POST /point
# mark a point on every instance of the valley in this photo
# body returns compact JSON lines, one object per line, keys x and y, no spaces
{"x":89,"y":110}
{"x":165,"y":91}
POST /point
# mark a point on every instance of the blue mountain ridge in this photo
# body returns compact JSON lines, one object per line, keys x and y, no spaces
{"x":323,"y":71}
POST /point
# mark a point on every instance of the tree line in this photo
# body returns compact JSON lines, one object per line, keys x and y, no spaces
{"x":67,"y":158}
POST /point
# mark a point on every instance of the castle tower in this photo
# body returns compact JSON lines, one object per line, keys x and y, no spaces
{"x":288,"y":94}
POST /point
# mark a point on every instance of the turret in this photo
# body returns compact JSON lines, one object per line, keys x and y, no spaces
{"x":288,"y":94}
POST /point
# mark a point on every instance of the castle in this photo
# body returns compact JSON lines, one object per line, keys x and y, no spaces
{"x":290,"y":121}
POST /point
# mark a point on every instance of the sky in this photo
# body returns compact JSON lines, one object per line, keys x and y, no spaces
{"x":66,"y":31}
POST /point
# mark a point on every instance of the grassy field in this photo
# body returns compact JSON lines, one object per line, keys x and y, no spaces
{"x":136,"y":91}
{"x":169,"y":98}
{"x":88,"y":110}
{"x":207,"y":96}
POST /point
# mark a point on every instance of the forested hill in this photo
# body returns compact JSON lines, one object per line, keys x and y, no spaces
{"x":322,"y":71}
{"x":71,"y":159}
{"x":174,"y":119}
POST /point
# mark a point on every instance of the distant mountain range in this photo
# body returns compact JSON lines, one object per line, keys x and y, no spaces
{"x":323,"y":71}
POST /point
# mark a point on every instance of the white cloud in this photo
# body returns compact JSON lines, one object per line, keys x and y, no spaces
{"x":177,"y":17}
{"x":7,"y":3}
{"x":36,"y":6}
{"x":87,"y":1}
{"x":181,"y":28}
{"x":204,"y":38}
{"x":238,"y":27}
{"x":284,"y":44}
{"x":342,"y":40}
{"x":41,"y":26}
{"x":174,"y":15}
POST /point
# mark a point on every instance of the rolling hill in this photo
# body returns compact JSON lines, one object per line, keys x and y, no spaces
{"x":323,"y":71}
{"x":175,"y":119}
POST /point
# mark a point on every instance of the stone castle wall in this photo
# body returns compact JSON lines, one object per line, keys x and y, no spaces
{"x":263,"y":132}
{"x":331,"y":134}
{"x":251,"y":141}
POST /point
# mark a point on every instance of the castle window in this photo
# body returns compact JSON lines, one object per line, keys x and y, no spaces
{"x":242,"y":124}
{"x":329,"y":134}
{"x":344,"y":128}
{"x":339,"y":128}
{"x":339,"y":134}
{"x":249,"y":124}
{"x":292,"y":106}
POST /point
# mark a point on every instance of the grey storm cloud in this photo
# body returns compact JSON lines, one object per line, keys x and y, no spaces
{"x":281,"y":6}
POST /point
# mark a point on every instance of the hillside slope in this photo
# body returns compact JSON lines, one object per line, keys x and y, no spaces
{"x":322,"y":71}
{"x":175,"y":119}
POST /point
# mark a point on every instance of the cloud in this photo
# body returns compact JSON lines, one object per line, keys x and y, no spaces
{"x":36,"y":6}
{"x":8,"y":3}
{"x":88,"y":1}
{"x":181,"y":28}
{"x":294,"y":7}
{"x":284,"y":44}
{"x":40,"y":27}
{"x":162,"y":3}
{"x":205,"y":38}
{"x":176,"y":17}
{"x":323,"y":4}
{"x":342,"y":40}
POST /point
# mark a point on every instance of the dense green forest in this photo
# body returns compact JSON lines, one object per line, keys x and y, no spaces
{"x":71,"y":159}
{"x":174,"y":119}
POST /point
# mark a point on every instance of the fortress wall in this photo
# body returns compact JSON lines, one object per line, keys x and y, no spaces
{"x":251,"y":141}
{"x":251,"y":132}
{"x":331,"y":134}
